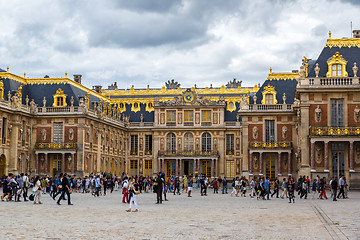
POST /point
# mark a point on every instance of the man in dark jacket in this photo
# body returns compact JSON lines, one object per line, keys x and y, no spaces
{"x":334,"y":186}
{"x":159,"y":189}
{"x":65,"y":189}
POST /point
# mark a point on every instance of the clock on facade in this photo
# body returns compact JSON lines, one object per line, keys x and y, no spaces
{"x":188,"y":97}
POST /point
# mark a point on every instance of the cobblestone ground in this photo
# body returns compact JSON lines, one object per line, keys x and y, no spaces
{"x":212,"y":217}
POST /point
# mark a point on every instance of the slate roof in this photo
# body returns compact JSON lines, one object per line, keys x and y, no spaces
{"x":351,"y":55}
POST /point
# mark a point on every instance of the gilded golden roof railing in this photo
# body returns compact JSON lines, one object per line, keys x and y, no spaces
{"x":270,"y":145}
{"x":188,"y":153}
{"x":344,"y":42}
{"x":282,"y":76}
{"x":55,"y":146}
{"x":335,"y":131}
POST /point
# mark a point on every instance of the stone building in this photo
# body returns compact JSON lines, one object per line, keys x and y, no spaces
{"x":305,"y":122}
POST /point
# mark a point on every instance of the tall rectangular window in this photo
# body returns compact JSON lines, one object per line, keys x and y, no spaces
{"x":134,"y":145}
{"x":230,"y":144}
{"x":148,"y":168}
{"x":270,"y":130}
{"x":133,"y":167}
{"x":337,"y":112}
{"x":58,"y":132}
{"x":3,"y":130}
{"x":206,"y":117}
{"x":170,"y":118}
{"x":188,"y":118}
{"x":148,"y":144}
{"x":269,"y":99}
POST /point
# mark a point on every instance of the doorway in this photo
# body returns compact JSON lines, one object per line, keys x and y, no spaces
{"x":170,"y":168}
{"x":188,"y":167}
{"x":56,"y":164}
{"x":2,"y":165}
{"x":270,"y":166}
{"x":206,"y":168}
{"x":338,"y":159}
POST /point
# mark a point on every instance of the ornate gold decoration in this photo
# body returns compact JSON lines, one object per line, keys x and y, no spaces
{"x":149,"y":106}
{"x":335,"y":131}
{"x":340,"y":43}
{"x":231,"y":106}
{"x":188,"y":153}
{"x":59,"y":99}
{"x":270,"y":145}
{"x":337,"y":59}
{"x":55,"y":145}
{"x":135,"y":107}
{"x":269,"y":90}
{"x":2,"y":89}
{"x":282,"y":76}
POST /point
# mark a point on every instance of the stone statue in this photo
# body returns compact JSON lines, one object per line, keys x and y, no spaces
{"x":296,"y":102}
{"x":233,"y":84}
{"x":72,"y":101}
{"x":244,"y":105}
{"x":15,"y":102}
{"x":284,"y":98}
{"x":71,"y":134}
{"x":141,"y":118}
{"x":355,"y":69}
{"x":171,"y":84}
{"x":44,"y":102}
{"x":255,"y":98}
{"x":255,"y":132}
{"x":99,"y":110}
{"x":83,"y":106}
{"x":317,"y":70}
{"x":9,"y":96}
{"x":256,"y":162}
{"x":27,"y":100}
{"x":357,"y":113}
{"x":43,"y":134}
{"x":318,"y":114}
{"x":284,"y":132}
{"x":33,"y":108}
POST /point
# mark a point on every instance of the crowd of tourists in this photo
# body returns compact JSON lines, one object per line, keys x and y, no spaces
{"x":16,"y":187}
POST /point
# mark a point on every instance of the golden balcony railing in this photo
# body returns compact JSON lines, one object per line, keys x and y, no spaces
{"x":335,"y":131}
{"x":188,"y":153}
{"x":270,"y":145}
{"x":55,"y":145}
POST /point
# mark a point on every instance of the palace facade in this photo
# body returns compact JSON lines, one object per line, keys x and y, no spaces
{"x":306,"y":122}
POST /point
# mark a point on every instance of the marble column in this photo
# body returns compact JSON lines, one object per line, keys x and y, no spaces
{"x":279,"y":164}
{"x":261,"y":163}
{"x":73,"y":163}
{"x":326,"y":158}
{"x":351,"y":156}
{"x":180,"y":167}
{"x":312,"y":156}
{"x":176,"y":167}
{"x":163,"y":165}
{"x":251,"y":163}
{"x":212,"y":167}
{"x":63,"y":170}
{"x":36,"y":163}
{"x":289,"y":163}
{"x":216,"y":167}
{"x":45,"y":163}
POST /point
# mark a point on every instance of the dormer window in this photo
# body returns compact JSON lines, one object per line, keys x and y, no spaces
{"x":269,"y":99}
{"x":59,"y":99}
{"x":336,"y":66}
{"x":269,"y":95}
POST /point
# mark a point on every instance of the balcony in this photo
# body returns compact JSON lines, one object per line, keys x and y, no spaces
{"x":55,"y":146}
{"x":270,"y":145}
{"x":334,"y":131}
{"x":270,"y":107}
{"x":188,"y":153}
{"x":330,"y":82}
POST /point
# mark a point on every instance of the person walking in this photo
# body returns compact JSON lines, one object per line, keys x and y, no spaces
{"x":342,"y":187}
{"x":190,"y":186}
{"x":65,"y":190}
{"x":291,"y":190}
{"x":314,"y":188}
{"x":159,"y":188}
{"x":125,"y":185}
{"x":323,"y":188}
{"x":37,"y":190}
{"x":177,"y":185}
{"x":267,"y":188}
{"x":26,"y":185}
{"x":334,"y":187}
{"x":224,"y":186}
{"x":134,"y":190}
{"x":276,"y":188}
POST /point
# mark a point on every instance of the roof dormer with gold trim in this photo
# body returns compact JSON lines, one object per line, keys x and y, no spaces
{"x":337,"y":66}
{"x":59,"y":99}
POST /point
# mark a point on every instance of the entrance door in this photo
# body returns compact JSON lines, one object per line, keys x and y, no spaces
{"x":188,"y":167}
{"x":338,"y":159}
{"x":170,"y":168}
{"x":230,"y":169}
{"x":2,"y":165}
{"x":270,"y":165}
{"x":206,"y":168}
{"x":56,"y":164}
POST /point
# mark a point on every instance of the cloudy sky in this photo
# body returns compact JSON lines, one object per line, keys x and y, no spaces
{"x":141,"y":42}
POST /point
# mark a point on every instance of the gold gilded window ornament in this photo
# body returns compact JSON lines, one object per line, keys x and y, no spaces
{"x":231,"y":106}
{"x":269,"y":95}
{"x":135,"y":107}
{"x":149,"y":107}
{"x":2,"y":90}
{"x":59,"y":99}
{"x":337,"y":66}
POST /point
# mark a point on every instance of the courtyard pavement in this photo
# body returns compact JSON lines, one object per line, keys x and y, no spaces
{"x":209,"y":217}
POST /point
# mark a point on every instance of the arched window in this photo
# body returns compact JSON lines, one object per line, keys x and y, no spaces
{"x":171,"y":142}
{"x":206,"y":142}
{"x":188,"y":142}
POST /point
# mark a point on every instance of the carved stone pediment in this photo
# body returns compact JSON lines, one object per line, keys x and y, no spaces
{"x":189,"y":98}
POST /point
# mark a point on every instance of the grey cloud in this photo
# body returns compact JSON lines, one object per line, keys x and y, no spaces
{"x":148,"y":6}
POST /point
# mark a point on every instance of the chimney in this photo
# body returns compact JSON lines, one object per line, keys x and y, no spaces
{"x":356,"y":33}
{"x":77,"y":78}
{"x":97,"y":88}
